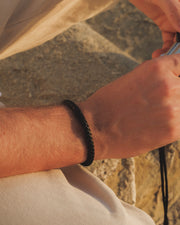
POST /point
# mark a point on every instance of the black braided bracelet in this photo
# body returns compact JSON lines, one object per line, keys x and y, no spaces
{"x":87,"y":132}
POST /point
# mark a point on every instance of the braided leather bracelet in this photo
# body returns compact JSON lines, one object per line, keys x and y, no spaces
{"x":87,"y":132}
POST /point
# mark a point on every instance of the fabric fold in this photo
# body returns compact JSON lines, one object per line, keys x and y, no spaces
{"x":35,"y":22}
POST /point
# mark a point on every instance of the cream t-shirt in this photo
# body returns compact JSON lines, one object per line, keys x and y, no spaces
{"x":70,"y":196}
{"x":25,"y":24}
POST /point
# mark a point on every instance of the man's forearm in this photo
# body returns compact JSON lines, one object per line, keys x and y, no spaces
{"x":132,"y":115}
{"x":35,"y":139}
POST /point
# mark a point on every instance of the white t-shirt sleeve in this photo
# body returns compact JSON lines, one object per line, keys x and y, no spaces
{"x":25,"y":24}
{"x":68,"y":196}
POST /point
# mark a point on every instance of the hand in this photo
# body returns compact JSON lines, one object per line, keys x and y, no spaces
{"x":138,"y":112}
{"x":166,"y":14}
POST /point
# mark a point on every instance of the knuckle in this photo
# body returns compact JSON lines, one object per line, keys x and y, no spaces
{"x":175,"y":61}
{"x":158,"y":66}
{"x":173,"y":111}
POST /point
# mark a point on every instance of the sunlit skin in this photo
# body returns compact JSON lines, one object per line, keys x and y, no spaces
{"x":140,"y":111}
{"x":165,"y":13}
{"x":135,"y":114}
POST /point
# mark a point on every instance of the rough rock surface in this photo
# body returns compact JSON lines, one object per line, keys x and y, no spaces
{"x":77,"y":63}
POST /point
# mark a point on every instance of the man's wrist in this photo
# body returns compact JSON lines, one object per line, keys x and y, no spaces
{"x":97,"y":134}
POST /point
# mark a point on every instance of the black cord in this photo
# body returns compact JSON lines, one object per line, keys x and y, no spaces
{"x":163,"y":170}
{"x":87,"y":132}
{"x":178,"y":37}
{"x":164,"y":183}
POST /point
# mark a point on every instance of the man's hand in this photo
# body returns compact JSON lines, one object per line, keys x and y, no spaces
{"x":138,"y":112}
{"x":166,"y":14}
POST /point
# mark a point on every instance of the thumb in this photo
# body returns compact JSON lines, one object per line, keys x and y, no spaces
{"x":159,"y":52}
{"x":168,"y":39}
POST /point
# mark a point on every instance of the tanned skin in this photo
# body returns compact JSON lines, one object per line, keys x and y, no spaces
{"x":135,"y":114}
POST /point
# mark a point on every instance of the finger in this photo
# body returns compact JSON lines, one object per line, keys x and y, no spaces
{"x":159,"y":52}
{"x":172,"y":11}
{"x":168,"y":41}
{"x":172,"y":63}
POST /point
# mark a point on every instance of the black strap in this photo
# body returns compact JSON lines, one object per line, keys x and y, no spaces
{"x":87,"y":132}
{"x":163,"y":169}
{"x":164,"y":183}
{"x":178,"y":37}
